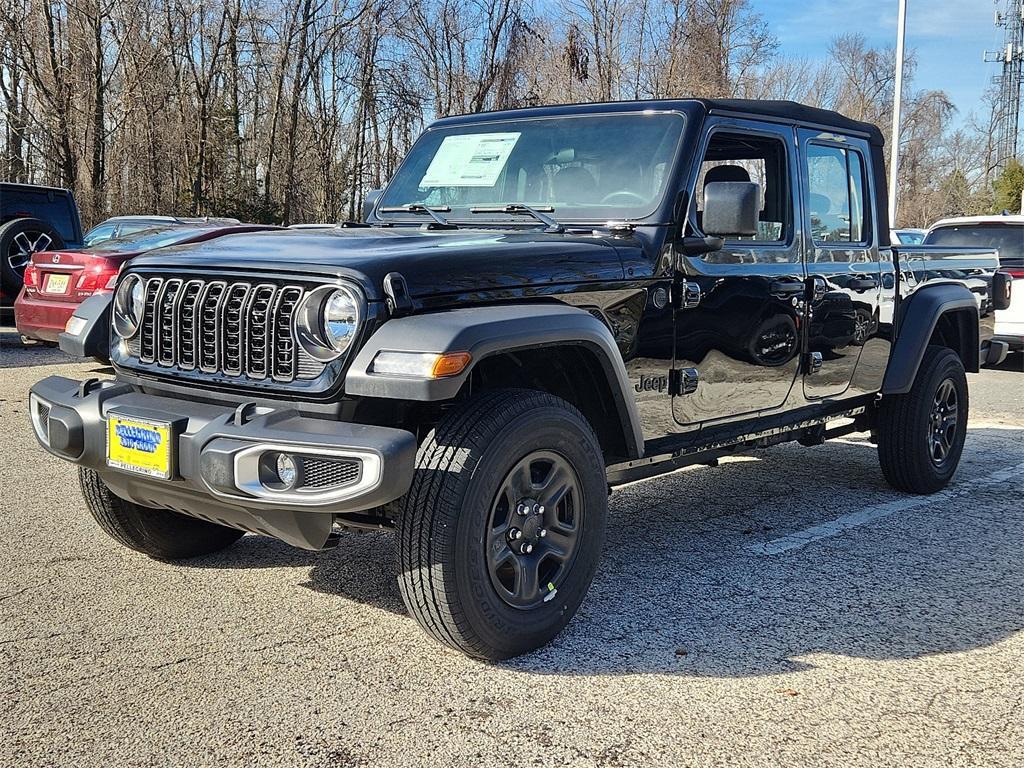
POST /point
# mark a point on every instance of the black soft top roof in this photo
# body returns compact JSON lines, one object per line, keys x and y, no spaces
{"x":792,"y":111}
{"x":783,"y":111}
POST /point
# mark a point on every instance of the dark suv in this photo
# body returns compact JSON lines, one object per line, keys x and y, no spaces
{"x":543,"y":304}
{"x":33,"y":218}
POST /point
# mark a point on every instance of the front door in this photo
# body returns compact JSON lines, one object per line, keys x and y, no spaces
{"x":740,"y":310}
{"x":843,"y":268}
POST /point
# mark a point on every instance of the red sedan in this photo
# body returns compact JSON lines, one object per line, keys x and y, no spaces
{"x":56,"y":282}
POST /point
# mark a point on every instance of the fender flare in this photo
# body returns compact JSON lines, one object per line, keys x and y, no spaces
{"x":487,"y":331}
{"x":93,"y":338}
{"x":918,"y":316}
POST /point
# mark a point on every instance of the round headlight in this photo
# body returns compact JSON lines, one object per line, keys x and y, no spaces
{"x":129,"y":305}
{"x":340,"y":319}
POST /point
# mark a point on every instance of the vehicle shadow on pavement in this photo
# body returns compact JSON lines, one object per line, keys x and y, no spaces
{"x":360,"y":568}
{"x":13,"y":354}
{"x":682,"y":589}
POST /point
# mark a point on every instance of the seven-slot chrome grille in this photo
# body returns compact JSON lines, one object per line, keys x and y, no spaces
{"x":225,"y":327}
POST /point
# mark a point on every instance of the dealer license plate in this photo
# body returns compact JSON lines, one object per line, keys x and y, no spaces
{"x":56,"y":283}
{"x":138,"y":445}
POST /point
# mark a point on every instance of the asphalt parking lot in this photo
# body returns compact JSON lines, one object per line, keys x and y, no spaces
{"x":782,"y":608}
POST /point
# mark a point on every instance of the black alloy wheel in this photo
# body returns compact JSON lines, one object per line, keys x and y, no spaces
{"x":535,"y":524}
{"x":944,"y":422}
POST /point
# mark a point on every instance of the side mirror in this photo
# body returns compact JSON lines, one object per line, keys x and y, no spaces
{"x":370,"y":202}
{"x":731,"y":208}
{"x":1002,"y":290}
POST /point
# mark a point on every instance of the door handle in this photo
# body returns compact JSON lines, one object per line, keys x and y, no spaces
{"x":786,"y":287}
{"x":863,"y":283}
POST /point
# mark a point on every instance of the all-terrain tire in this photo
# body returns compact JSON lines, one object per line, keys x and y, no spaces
{"x":445,"y":521}
{"x":159,"y":533}
{"x":906,"y":426}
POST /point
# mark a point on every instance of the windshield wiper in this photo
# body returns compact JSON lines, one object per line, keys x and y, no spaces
{"x":519,"y":209}
{"x":432,"y":212}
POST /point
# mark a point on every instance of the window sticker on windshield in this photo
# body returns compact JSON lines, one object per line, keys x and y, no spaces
{"x":473,"y":160}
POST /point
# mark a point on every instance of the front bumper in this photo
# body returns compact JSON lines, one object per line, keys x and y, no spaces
{"x":216,"y":452}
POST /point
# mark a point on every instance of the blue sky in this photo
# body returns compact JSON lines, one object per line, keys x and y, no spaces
{"x":948,"y":36}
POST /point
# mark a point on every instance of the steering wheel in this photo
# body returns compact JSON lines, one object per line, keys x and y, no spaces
{"x":633,"y":197}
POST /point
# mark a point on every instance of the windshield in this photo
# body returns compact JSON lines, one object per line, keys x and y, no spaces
{"x":148,"y":239}
{"x":1008,"y":238}
{"x":588,"y":167}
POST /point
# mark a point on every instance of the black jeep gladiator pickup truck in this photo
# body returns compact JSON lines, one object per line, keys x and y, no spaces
{"x":542,"y":304}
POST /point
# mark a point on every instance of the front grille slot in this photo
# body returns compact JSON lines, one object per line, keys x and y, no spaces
{"x":282,"y":341}
{"x":234,"y":309}
{"x":187,"y":315}
{"x":257,"y":332}
{"x":236,"y":329}
{"x":165,"y":324}
{"x":148,"y":331}
{"x":209,"y":323}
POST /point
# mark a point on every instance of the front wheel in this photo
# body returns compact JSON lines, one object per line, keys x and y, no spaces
{"x":502,"y":530}
{"x":921,"y":433}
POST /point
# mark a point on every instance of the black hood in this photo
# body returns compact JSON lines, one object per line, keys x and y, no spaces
{"x":432,"y":262}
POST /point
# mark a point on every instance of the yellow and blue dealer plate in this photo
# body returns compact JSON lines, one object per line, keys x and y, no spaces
{"x":137,"y":445}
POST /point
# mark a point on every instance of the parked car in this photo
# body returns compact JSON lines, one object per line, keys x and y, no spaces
{"x":543,"y":304}
{"x":1005,"y":233}
{"x":57,"y":281}
{"x":908,"y":236}
{"x":122,"y":226}
{"x":33,"y":218}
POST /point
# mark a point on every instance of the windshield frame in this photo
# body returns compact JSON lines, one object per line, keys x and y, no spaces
{"x":513,"y":221}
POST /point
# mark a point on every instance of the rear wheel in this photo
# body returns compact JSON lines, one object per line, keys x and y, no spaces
{"x":159,"y":533}
{"x":502,"y":530}
{"x":19,"y":239}
{"x":921,"y":434}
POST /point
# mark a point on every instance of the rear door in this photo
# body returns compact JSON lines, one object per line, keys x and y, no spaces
{"x":844,"y":271}
{"x":740,"y":310}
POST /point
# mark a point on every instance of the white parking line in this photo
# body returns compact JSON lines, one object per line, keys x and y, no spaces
{"x":877,"y":512}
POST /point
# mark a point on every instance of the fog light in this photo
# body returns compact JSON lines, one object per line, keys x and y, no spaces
{"x":40,"y":410}
{"x":287,"y":472}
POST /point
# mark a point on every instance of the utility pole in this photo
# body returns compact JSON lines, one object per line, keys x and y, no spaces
{"x":897,"y":108}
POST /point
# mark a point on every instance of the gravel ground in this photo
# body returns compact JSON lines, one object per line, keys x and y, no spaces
{"x":783,"y":608}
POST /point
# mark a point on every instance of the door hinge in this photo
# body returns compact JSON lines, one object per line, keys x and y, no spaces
{"x":397,"y":292}
{"x":687,"y":295}
{"x":691,"y":297}
{"x":812,"y":363}
{"x":683,"y":381}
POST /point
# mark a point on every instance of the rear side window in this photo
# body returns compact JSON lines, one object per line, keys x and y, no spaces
{"x":835,"y":202}
{"x":52,"y":207}
{"x":98,"y":234}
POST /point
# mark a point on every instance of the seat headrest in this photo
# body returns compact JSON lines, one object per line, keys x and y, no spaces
{"x":726,"y":173}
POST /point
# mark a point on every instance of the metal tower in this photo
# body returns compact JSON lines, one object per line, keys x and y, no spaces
{"x":1008,"y":82}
